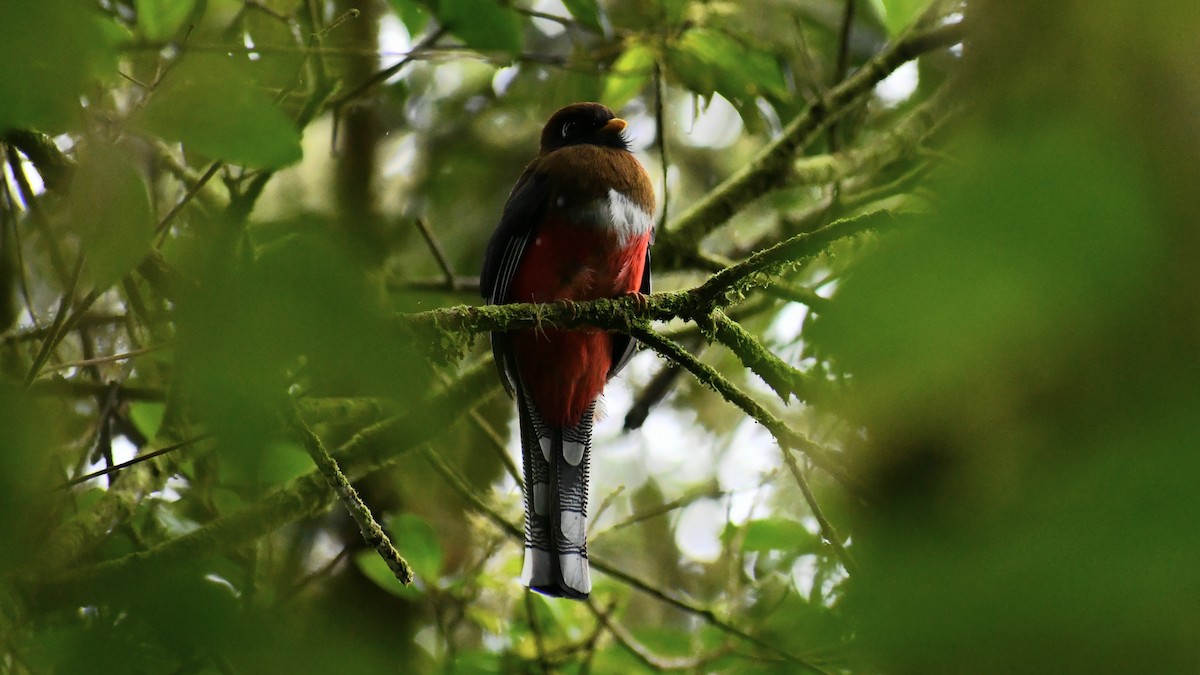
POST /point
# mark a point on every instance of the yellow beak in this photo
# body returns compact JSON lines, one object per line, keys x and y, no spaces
{"x":616,"y":124}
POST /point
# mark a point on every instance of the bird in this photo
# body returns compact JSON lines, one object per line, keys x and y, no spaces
{"x":577,"y":226}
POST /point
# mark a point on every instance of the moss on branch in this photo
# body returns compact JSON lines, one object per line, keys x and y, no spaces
{"x":374,"y":447}
{"x":781,"y":377}
{"x":773,"y":165}
{"x":788,"y":438}
{"x":893,"y":144}
{"x":724,"y":288}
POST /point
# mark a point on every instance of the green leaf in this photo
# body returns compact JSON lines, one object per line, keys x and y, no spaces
{"x":147,"y":416}
{"x":88,"y":498}
{"x":161,"y":19}
{"x":485,"y":25}
{"x":413,"y":15}
{"x":777,"y":534}
{"x":275,"y":462}
{"x":674,"y":10}
{"x":629,"y":76}
{"x":692,"y":71}
{"x":283,"y":461}
{"x":110,"y":211}
{"x":899,"y":14}
{"x":707,"y":60}
{"x":226,"y":500}
{"x":586,"y":11}
{"x":418,"y":544}
{"x":51,"y":52}
{"x":210,"y":104}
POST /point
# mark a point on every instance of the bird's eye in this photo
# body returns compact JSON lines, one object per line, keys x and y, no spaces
{"x":566,"y":129}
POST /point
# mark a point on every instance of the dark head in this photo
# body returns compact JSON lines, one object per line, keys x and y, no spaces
{"x":584,"y":124}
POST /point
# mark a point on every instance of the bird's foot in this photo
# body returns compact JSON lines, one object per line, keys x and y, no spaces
{"x":640,"y":300}
{"x":569,"y":306}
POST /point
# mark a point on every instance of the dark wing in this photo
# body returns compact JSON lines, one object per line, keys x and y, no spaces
{"x":524,"y":211}
{"x":623,"y":345}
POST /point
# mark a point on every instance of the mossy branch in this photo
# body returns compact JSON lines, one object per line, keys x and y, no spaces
{"x":370,"y":529}
{"x":781,"y":377}
{"x":891,"y":145}
{"x":772,"y":166}
{"x":374,"y":447}
{"x":787,"y":437}
{"x":455,"y":480}
{"x":724,"y":288}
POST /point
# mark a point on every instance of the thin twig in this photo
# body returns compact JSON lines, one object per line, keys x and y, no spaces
{"x":467,"y":494}
{"x":842,"y":64}
{"x":318,"y":573}
{"x":706,"y":614}
{"x":391,"y":70}
{"x":498,"y":445}
{"x":827,"y":532}
{"x":104,"y":359}
{"x":438,"y":253}
{"x":660,"y":129}
{"x":784,"y":435}
{"x":459,"y":484}
{"x":136,"y":460}
{"x":637,"y":649}
{"x":22,"y":276}
{"x":161,"y":229}
{"x":562,"y":20}
{"x":604,"y":506}
{"x":707,"y":492}
{"x":499,"y":448}
{"x":33,"y":205}
{"x":338,"y":21}
{"x":58,"y":328}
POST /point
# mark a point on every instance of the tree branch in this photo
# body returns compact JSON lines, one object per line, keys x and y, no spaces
{"x":771,"y":166}
{"x":783,"y":379}
{"x":787,"y":437}
{"x":722,"y":289}
{"x":475,"y":501}
{"x":373,"y":448}
{"x":892,"y":144}
{"x":371,"y":532}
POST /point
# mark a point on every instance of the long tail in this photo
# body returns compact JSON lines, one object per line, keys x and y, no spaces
{"x":556,"y":461}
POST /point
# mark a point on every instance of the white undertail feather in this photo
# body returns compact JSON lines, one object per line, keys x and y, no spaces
{"x":575,"y":572}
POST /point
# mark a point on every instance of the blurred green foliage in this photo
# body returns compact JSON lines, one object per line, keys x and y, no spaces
{"x":211,"y":105}
{"x":1008,"y":370}
{"x":44,"y":91}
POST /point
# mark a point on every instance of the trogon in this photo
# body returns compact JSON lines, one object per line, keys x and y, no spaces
{"x":577,"y":226}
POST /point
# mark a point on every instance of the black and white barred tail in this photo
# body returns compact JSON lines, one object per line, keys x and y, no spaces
{"x":555,"y":460}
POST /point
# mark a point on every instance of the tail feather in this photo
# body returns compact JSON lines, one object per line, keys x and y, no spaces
{"x":555,"y":461}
